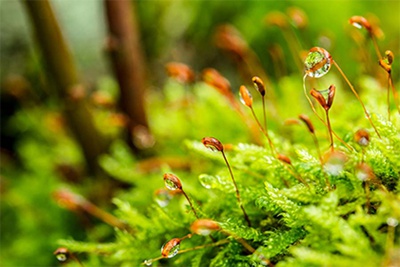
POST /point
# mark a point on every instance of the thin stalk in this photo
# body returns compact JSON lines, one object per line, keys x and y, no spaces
{"x":246,"y":217}
{"x":77,"y":260}
{"x":264,"y":113}
{"x":328,"y":184}
{"x":295,"y":175}
{"x":319,"y":117}
{"x":291,"y":41}
{"x":395,"y":95}
{"x":388,"y":98}
{"x":376,"y":47}
{"x":358,"y":97}
{"x":328,"y":122}
{"x":103,"y":215}
{"x":389,"y":244}
{"x":264,"y":131}
{"x":190,"y":203}
{"x":246,"y":245}
{"x":219,"y":243}
{"x":367,"y":196}
{"x":314,"y":137}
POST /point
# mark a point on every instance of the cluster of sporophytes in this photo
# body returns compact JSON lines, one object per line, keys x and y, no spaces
{"x":319,"y":194}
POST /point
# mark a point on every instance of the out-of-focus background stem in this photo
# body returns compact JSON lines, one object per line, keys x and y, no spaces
{"x":62,"y":70}
{"x":128,"y":64}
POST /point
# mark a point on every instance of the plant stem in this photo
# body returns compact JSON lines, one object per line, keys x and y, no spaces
{"x":128,"y":64}
{"x":264,"y":131}
{"x":61,"y":67}
{"x":358,"y":97}
{"x":376,"y":47}
{"x":395,"y":95}
{"x":190,"y":203}
{"x":388,"y":98}
{"x":328,"y":122}
{"x":246,"y":217}
{"x":319,"y":117}
{"x":367,"y":196}
{"x":264,"y":113}
{"x":103,"y":215}
{"x":219,"y":243}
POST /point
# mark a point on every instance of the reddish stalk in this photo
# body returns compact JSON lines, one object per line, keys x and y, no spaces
{"x":247,"y":100}
{"x":326,"y":105}
{"x":311,"y":129}
{"x":319,"y":117}
{"x":173,"y":183}
{"x":215,"y":145}
{"x":286,"y":161}
{"x":358,"y":98}
{"x":76,"y":202}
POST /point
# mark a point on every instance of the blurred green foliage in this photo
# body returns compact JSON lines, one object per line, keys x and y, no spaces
{"x":294,"y":226}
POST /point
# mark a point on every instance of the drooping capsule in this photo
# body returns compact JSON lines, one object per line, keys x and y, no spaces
{"x":362,"y":137}
{"x":212,"y":143}
{"x":364,"y":172}
{"x":172,"y":182}
{"x":62,"y":254}
{"x":259,"y":84}
{"x":333,"y":162}
{"x":204,"y":226}
{"x":304,"y":118}
{"x":245,"y":97}
{"x":181,"y":72}
{"x":171,"y":248}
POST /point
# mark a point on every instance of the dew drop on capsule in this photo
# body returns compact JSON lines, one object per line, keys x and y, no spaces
{"x":172,"y":182}
{"x":148,"y":262}
{"x":170,"y":185}
{"x":206,"y":181}
{"x":61,"y":257}
{"x":171,"y":248}
{"x":357,"y":25}
{"x":317,"y":63}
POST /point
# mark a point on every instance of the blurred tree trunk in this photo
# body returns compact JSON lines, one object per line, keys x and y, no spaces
{"x":62,"y":69}
{"x":127,"y":61}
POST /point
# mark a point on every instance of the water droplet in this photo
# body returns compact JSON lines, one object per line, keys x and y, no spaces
{"x":162,"y":197}
{"x":62,"y":257}
{"x":364,"y":172}
{"x":171,"y":248}
{"x":333,"y":168}
{"x":317,"y":63}
{"x":62,"y":254}
{"x":245,"y":97}
{"x":334,"y":162}
{"x":211,"y":147}
{"x":362,"y":137}
{"x":392,"y":222}
{"x":357,"y":25}
{"x":148,"y":262}
{"x":206,"y":180}
{"x":171,"y":185}
{"x":361,"y":175}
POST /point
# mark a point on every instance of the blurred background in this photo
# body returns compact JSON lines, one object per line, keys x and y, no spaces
{"x":69,"y":118}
